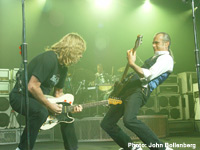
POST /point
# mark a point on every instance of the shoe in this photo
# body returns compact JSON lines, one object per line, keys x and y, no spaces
{"x":17,"y":148}
{"x":168,"y":148}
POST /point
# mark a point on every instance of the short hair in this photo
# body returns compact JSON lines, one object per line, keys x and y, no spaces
{"x":68,"y":48}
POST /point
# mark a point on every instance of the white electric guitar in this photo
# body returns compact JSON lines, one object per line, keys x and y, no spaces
{"x":67,"y":101}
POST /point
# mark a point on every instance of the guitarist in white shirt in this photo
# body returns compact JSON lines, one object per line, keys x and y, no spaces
{"x":154,"y":71}
{"x":45,"y":72}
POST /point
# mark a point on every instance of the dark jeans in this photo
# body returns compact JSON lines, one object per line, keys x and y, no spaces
{"x":38,"y":115}
{"x":129,"y":109}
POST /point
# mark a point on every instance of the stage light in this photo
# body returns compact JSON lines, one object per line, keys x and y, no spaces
{"x":41,"y":2}
{"x":103,"y":4}
{"x":147,"y":5}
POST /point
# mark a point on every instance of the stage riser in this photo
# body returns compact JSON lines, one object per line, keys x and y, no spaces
{"x":8,"y":136}
{"x":89,"y":129}
{"x":180,"y":127}
{"x":197,"y":125}
{"x":12,"y":136}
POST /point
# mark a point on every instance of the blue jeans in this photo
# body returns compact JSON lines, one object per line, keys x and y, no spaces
{"x":129,"y":109}
{"x":38,"y":115}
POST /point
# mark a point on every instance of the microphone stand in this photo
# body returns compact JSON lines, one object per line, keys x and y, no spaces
{"x":196,"y":47}
{"x":24,"y":55}
{"x":79,"y":87}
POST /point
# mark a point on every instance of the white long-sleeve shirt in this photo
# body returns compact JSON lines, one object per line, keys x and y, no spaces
{"x":164,"y":63}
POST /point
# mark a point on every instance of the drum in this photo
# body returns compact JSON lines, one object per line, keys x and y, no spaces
{"x":105,"y":87}
{"x":103,"y":82}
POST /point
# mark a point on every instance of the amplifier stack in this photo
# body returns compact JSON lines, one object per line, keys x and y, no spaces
{"x":7,"y":115}
{"x":171,"y":98}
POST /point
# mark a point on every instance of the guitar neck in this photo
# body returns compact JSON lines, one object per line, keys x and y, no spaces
{"x":87,"y":105}
{"x":125,"y":72}
{"x":93,"y":104}
{"x":127,"y":67}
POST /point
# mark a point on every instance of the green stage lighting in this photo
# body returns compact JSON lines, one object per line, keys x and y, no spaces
{"x":103,"y":4}
{"x":147,"y":5}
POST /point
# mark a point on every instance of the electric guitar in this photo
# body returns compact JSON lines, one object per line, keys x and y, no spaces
{"x":67,"y":101}
{"x":120,"y":85}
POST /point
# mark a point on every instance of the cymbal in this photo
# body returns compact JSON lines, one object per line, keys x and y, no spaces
{"x":121,"y":69}
{"x":69,"y":74}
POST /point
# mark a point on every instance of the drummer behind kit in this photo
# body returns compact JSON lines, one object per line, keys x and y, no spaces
{"x":102,"y":80}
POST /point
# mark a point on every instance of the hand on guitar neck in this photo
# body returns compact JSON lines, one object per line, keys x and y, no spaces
{"x":77,"y":109}
{"x":131,"y":56}
{"x":138,"y":42}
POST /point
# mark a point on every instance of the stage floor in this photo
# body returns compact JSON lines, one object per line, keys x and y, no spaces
{"x":189,"y":140}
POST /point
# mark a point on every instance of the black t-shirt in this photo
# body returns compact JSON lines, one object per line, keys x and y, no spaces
{"x":46,"y":68}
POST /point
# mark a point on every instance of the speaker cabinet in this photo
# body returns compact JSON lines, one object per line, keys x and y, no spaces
{"x":186,"y":106}
{"x":5,"y":111}
{"x":170,"y":105}
{"x":13,"y":73}
{"x":172,"y":79}
{"x":4,"y":75}
{"x":150,"y":108}
{"x":7,"y":115}
{"x":196,"y":101}
{"x":186,"y":80}
{"x":4,"y":88}
{"x":168,"y":89}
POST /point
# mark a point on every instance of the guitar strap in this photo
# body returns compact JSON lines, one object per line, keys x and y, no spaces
{"x":135,"y":82}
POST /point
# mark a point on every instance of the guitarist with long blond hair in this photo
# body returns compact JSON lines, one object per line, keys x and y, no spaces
{"x":45,"y":72}
{"x":135,"y":90}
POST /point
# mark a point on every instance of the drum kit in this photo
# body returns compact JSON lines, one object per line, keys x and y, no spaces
{"x":91,"y":86}
{"x":88,"y":87}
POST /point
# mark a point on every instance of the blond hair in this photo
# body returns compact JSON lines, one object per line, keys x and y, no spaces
{"x":69,"y":49}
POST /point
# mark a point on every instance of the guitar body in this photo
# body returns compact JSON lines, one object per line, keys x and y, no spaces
{"x":67,"y":101}
{"x":117,"y":89}
{"x":52,"y":120}
{"x":120,"y":88}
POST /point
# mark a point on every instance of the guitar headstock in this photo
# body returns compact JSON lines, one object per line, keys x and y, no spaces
{"x":114,"y":101}
{"x":138,"y":41}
